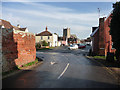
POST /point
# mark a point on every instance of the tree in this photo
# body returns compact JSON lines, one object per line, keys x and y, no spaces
{"x":115,"y":29}
{"x":38,"y":45}
{"x":44,"y":43}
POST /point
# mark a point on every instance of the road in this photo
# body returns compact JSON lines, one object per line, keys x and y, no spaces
{"x":63,"y":68}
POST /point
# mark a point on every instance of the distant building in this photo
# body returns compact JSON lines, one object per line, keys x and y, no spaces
{"x":88,"y":41}
{"x":62,"y":41}
{"x":73,"y":39}
{"x":101,"y":38}
{"x":66,"y":33}
{"x":50,"y":38}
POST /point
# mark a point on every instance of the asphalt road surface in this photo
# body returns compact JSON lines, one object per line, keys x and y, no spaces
{"x":63,"y":68}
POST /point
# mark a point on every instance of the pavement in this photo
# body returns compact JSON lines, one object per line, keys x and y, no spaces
{"x":63,"y":68}
{"x":113,"y":67}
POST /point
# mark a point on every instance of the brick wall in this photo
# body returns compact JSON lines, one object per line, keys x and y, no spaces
{"x":101,"y":37}
{"x":18,"y":48}
{"x":105,"y":39}
{"x":108,"y":38}
{"x":95,"y":44}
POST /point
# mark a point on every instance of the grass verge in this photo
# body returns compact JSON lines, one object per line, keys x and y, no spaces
{"x":31,"y":63}
{"x":16,"y":68}
{"x":100,"y":57}
{"x":45,"y":48}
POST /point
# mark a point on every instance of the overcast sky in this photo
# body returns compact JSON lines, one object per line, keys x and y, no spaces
{"x":78,"y":16}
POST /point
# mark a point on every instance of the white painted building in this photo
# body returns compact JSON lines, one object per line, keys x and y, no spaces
{"x":51,"y":39}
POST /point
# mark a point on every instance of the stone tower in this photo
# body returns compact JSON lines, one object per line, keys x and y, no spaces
{"x":66,"y":33}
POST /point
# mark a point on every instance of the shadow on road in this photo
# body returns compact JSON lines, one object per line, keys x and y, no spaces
{"x":45,"y":79}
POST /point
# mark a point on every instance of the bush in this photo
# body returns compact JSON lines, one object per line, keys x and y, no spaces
{"x":38,"y":45}
{"x":44,"y":43}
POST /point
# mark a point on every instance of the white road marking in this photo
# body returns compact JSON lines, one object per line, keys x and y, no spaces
{"x":82,"y":50}
{"x":52,"y":63}
{"x":63,"y":71}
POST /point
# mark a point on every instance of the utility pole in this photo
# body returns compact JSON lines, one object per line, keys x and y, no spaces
{"x":98,"y":12}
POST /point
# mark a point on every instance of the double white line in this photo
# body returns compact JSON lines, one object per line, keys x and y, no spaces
{"x":63,"y":71}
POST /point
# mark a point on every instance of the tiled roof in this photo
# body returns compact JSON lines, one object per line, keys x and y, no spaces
{"x":15,"y":27}
{"x":45,"y":33}
{"x":6,"y":24}
{"x":21,"y":29}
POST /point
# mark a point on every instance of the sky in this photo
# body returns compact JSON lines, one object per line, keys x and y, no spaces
{"x":80,"y":17}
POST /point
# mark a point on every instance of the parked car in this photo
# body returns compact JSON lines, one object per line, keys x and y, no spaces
{"x":81,"y":45}
{"x":71,"y":47}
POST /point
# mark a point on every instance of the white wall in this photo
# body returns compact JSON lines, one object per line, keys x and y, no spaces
{"x":55,"y":40}
{"x":39,"y":40}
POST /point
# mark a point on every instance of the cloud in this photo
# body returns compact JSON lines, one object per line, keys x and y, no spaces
{"x":54,"y":17}
{"x":59,"y":15}
{"x":59,"y":0}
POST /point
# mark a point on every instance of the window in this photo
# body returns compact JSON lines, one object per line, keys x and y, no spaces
{"x":41,"y":37}
{"x":112,"y":46}
{"x":48,"y":37}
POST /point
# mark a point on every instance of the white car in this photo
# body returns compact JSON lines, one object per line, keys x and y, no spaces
{"x":73,"y":47}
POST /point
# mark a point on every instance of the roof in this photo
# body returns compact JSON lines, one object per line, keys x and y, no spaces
{"x":17,"y":28}
{"x":73,"y":36}
{"x":45,"y":33}
{"x":94,"y":32}
{"x":22,"y":29}
{"x":6,"y":24}
{"x":109,"y":15}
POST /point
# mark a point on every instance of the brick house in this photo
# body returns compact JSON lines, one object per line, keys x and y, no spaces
{"x":101,"y":38}
{"x":17,"y":46}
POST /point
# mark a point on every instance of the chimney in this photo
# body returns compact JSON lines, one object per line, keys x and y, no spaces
{"x":18,"y":25}
{"x":46,"y":28}
{"x":101,"y":20}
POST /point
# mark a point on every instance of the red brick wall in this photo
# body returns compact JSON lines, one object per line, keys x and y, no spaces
{"x":108,"y":38}
{"x":105,"y":39}
{"x":95,"y":43}
{"x":18,"y":48}
{"x":26,"y":47}
{"x":9,"y":50}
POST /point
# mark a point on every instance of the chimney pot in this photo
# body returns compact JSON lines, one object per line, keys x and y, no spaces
{"x":46,"y":28}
